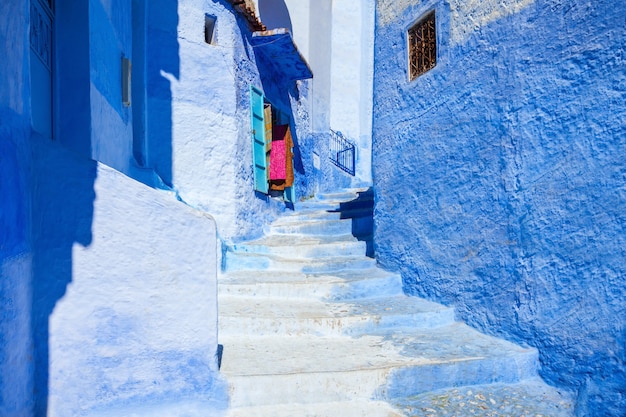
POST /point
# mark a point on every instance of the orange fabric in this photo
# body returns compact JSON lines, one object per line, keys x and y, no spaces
{"x":289,"y":177}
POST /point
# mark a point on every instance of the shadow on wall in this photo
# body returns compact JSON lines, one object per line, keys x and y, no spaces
{"x":62,"y":217}
{"x":72,"y":118}
{"x":63,"y":187}
{"x":162,"y":68}
{"x":274,"y":14}
{"x":361,"y":212}
{"x":15,"y":344}
{"x":13,"y":212}
{"x":63,"y":175}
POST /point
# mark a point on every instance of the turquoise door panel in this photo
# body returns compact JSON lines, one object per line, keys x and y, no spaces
{"x":289,"y":194}
{"x":258,"y":141}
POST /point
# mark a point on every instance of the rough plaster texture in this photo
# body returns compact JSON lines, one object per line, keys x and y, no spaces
{"x":200,"y":141}
{"x":466,"y":16}
{"x":16,"y":367}
{"x":499,"y":178}
{"x":122,"y":317}
{"x":92,"y":287}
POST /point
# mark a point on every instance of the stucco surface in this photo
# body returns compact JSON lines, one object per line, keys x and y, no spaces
{"x":200,"y":143}
{"x":16,"y":367}
{"x":466,"y":16}
{"x":499,"y":179}
{"x":124,"y":290}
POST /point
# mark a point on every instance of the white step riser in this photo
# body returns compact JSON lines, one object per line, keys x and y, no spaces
{"x":325,"y":291}
{"x":318,"y":358}
{"x":364,"y":408}
{"x":343,"y":197}
{"x":314,"y":228}
{"x":350,"y":248}
{"x":389,"y":383}
{"x":314,"y":205}
{"x":305,"y":388}
{"x":327,"y":326}
{"x":308,"y":216}
{"x":247,"y":262}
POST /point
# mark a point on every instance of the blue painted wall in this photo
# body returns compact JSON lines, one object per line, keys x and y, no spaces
{"x":499,"y":178}
{"x":16,"y":367}
{"x":110,"y":39}
{"x":55,"y":254}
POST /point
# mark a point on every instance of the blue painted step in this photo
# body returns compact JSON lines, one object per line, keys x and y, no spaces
{"x":531,"y":397}
{"x":306,"y":319}
{"x":309,"y":369}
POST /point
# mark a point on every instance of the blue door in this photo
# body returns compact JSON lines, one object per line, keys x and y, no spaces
{"x":259,"y":160}
{"x":41,"y":64}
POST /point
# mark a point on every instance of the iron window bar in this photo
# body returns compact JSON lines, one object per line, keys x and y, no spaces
{"x":422,"y":40}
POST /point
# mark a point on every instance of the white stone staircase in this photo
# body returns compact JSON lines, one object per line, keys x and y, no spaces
{"x":312,"y":327}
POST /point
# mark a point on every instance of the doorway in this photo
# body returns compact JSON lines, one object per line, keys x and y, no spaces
{"x":272,"y":148}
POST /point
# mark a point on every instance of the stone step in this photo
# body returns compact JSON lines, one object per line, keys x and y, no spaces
{"x":291,"y":317}
{"x":312,"y":327}
{"x":313,"y":227}
{"x":317,"y":205}
{"x":326,"y":209}
{"x":323,"y":214}
{"x":373,"y":282}
{"x":238,"y":261}
{"x":301,"y":247}
{"x":308,"y":215}
{"x":164,"y":407}
{"x":266,"y":370}
{"x":362,"y":408}
{"x":531,"y":397}
{"x":342,"y":195}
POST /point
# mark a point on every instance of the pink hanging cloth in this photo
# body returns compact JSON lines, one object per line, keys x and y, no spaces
{"x":278,"y":156}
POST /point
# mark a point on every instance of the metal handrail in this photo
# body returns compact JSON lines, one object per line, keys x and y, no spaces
{"x":342,"y":152}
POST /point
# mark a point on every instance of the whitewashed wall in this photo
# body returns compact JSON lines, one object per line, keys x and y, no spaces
{"x":337,"y":40}
{"x":137,"y":324}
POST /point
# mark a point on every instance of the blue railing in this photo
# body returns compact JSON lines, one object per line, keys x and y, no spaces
{"x":342,"y":152}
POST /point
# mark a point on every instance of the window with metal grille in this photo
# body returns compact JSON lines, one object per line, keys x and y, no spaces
{"x":422,"y":39}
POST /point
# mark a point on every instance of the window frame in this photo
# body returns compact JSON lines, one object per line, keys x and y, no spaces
{"x":422,"y":20}
{"x":210,"y":27}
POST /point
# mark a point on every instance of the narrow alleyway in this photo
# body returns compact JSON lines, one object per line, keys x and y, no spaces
{"x":312,"y":327}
